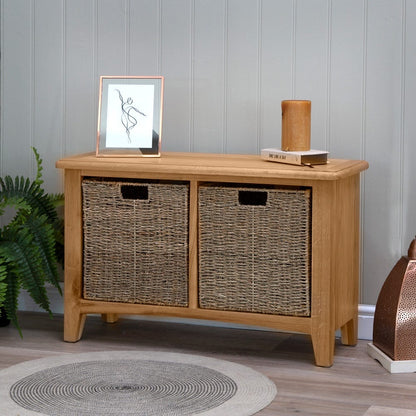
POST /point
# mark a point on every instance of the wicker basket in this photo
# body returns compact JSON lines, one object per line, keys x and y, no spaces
{"x":254,"y":249}
{"x":135,"y":242}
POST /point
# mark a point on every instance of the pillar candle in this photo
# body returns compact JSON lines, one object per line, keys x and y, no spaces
{"x":296,"y":125}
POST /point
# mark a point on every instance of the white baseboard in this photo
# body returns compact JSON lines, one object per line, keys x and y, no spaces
{"x":366,"y":321}
{"x":365,"y":314}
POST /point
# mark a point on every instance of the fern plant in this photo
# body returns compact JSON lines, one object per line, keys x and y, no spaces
{"x":31,"y":243}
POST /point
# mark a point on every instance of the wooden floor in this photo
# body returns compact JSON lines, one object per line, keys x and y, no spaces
{"x":354,"y":385}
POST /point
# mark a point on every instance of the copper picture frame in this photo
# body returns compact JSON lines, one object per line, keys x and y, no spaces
{"x":130,"y":116}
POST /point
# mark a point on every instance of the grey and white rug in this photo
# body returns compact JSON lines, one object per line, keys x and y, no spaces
{"x":139,"y":383}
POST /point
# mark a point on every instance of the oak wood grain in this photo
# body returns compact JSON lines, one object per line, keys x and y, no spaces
{"x":334,"y":248}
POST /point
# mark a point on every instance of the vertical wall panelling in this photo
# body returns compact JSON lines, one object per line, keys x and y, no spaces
{"x":208,"y":76}
{"x":176,"y":67}
{"x":1,"y":85}
{"x":276,"y":57}
{"x":81,"y":83}
{"x":192,"y":76}
{"x":111,"y":37}
{"x":402,"y":120}
{"x":242,"y":76}
{"x":346,"y":78}
{"x":17,"y":90}
{"x":111,"y":40}
{"x":48,"y":78}
{"x":409,"y":128}
{"x":312,"y":64}
{"x":127,"y":31}
{"x":363,"y":152}
{"x":144,"y":38}
{"x":382,"y":236}
{"x":227,"y":65}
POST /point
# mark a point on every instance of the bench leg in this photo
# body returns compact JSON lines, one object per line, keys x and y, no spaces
{"x":349,"y":332}
{"x":323,"y":348}
{"x":109,"y":318}
{"x":73,"y":326}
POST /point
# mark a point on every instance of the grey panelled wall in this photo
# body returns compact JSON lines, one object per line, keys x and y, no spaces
{"x":227,"y":65}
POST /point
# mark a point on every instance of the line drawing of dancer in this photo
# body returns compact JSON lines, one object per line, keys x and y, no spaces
{"x":127,"y":110}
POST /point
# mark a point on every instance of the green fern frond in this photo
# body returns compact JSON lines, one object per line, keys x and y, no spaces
{"x":28,"y":191}
{"x":57,"y":200}
{"x":11,"y":299}
{"x":3,"y":285}
{"x":31,"y":243}
{"x":16,"y":202}
{"x":19,"y":247}
{"x":44,"y":237}
{"x":59,"y":241}
{"x":39,"y":167}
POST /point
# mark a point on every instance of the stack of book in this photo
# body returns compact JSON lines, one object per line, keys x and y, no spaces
{"x":306,"y":157}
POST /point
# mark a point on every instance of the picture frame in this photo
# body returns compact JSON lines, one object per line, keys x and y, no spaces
{"x":130,"y":116}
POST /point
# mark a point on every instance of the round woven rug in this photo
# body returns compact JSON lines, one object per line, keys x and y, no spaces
{"x":123,"y":383}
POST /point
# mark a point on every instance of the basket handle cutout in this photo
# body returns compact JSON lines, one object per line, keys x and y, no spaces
{"x":139,"y":192}
{"x":252,"y":197}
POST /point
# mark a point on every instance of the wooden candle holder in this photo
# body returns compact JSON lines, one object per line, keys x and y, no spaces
{"x":296,"y":125}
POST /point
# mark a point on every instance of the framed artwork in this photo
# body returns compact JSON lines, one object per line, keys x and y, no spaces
{"x":130,"y":116}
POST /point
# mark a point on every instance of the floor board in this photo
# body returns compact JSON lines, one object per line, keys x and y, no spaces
{"x":349,"y":388}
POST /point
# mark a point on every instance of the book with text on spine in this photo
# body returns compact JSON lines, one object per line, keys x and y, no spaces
{"x":306,"y":157}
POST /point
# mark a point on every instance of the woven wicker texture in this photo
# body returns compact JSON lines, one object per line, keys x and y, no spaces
{"x":254,"y":250}
{"x":135,"y":242}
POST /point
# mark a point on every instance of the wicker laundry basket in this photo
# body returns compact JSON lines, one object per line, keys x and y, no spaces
{"x":135,"y":241}
{"x":255,"y":249}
